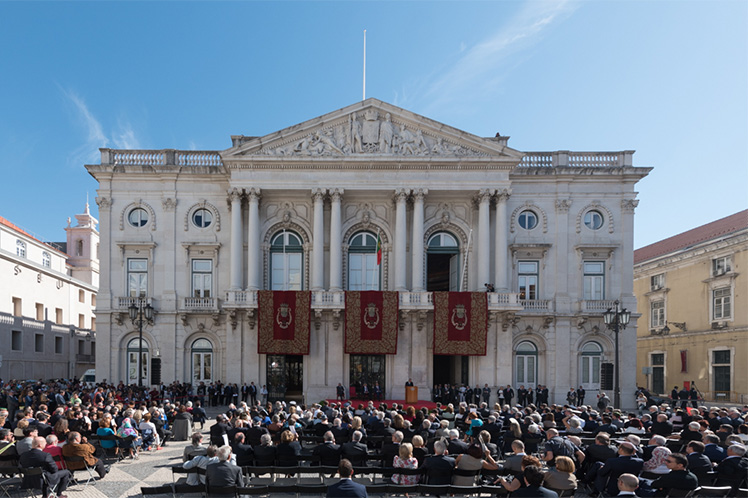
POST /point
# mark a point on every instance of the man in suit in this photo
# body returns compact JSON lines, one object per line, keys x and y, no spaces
{"x":392,"y":449}
{"x":439,"y":466}
{"x":698,"y":462}
{"x":265,"y":453}
{"x":607,"y":426}
{"x":580,"y":395}
{"x":514,"y":462}
{"x":328,"y":452}
{"x":624,"y":463}
{"x":355,"y":451}
{"x":456,"y":446}
{"x":712,"y":449}
{"x":340,"y":392}
{"x":78,"y":446}
{"x":627,"y":484}
{"x":253,"y":393}
{"x":224,"y":473}
{"x":244,"y":453}
{"x":42,"y":426}
{"x":486,"y":393}
{"x":37,"y":458}
{"x":733,"y":470}
{"x":677,"y":478}
{"x":662,"y":426}
{"x":508,"y":394}
{"x":255,"y":432}
{"x":409,"y":383}
{"x":533,"y":476}
{"x":346,"y":487}
{"x":219,"y":431}
{"x":601,"y":450}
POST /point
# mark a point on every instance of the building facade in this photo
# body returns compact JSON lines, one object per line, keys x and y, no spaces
{"x":692,"y":293}
{"x":47,"y":301}
{"x":198,"y":233}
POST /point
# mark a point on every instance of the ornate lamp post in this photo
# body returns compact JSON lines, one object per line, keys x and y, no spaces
{"x":616,"y":320}
{"x":139,"y":313}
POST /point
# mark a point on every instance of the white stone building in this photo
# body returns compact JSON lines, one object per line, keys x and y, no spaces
{"x":47,"y":301}
{"x":198,"y":233}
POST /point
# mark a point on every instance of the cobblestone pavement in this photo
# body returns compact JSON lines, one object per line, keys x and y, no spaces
{"x":152,"y":469}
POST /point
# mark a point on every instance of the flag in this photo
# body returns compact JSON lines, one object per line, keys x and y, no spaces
{"x":379,"y":249}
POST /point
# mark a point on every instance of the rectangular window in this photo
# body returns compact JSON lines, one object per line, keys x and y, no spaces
{"x":363,"y":272}
{"x":93,"y":351}
{"x":286,"y":271}
{"x":657,"y":360}
{"x":657,"y":282}
{"x":81,"y":296}
{"x":58,"y":345}
{"x":528,"y":279}
{"x":137,"y":277}
{"x":46,"y":259}
{"x":202,"y":277}
{"x":721,"y":265}
{"x":93,"y":324}
{"x":38,"y":343}
{"x":594,"y":280}
{"x":81,"y":321}
{"x":17,"y":306}
{"x":16,"y":340}
{"x":58,"y":316}
{"x":722,"y":303}
{"x":657,"y":314}
{"x":39,"y":311}
{"x":81,"y":347}
{"x":93,"y":300}
{"x":721,"y":371}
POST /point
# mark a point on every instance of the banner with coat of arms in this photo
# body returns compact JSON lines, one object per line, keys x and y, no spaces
{"x":284,"y":322}
{"x":460,"y":323}
{"x":371,"y":322}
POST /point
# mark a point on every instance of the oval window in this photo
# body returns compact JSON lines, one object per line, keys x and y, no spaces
{"x":593,"y":220}
{"x":528,"y":220}
{"x":138,"y":217}
{"x":202,"y":218}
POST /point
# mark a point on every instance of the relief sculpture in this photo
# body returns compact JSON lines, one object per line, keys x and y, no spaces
{"x":369,"y":133}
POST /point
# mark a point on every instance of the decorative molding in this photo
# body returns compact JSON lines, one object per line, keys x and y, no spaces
{"x":629,"y":205}
{"x":453,"y":229}
{"x":168,"y":204}
{"x":103,"y":202}
{"x":203,"y":204}
{"x":253,"y":193}
{"x":318,"y":194}
{"x":503,"y":195}
{"x":400,"y":194}
{"x":233,"y":195}
{"x":138,"y":204}
{"x":563,"y":205}
{"x":529,"y":206}
{"x":336,"y":194}
{"x":594,"y":205}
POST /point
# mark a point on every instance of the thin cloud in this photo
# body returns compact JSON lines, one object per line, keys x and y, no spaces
{"x":480,"y":67}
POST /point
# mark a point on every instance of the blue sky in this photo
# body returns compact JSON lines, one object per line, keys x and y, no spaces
{"x":666,"y":78}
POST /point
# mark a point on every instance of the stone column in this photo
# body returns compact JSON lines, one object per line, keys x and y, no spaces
{"x":253,"y":239}
{"x":235,"y":200}
{"x":318,"y":242}
{"x":417,"y":246}
{"x":484,"y":233}
{"x":336,"y":245}
{"x":501,"y":279}
{"x":401,"y":236}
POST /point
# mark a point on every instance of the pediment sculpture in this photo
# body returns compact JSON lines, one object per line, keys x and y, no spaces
{"x":369,"y":133}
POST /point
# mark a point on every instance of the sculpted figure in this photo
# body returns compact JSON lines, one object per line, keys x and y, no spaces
{"x":386,"y":133}
{"x":358,"y":146}
{"x":407,"y":141}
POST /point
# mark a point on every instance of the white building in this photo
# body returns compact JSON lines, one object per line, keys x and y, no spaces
{"x":47,"y":301}
{"x":198,"y":233}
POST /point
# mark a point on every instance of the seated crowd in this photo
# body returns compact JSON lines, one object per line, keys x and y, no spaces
{"x":559,"y":448}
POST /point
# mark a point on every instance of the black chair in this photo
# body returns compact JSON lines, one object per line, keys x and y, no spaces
{"x":376,"y":489}
{"x":220,"y":490}
{"x":113,"y":452}
{"x":40,"y":482}
{"x":178,"y":470}
{"x":311,"y":489}
{"x":683,"y":493}
{"x":715,"y":490}
{"x":433,"y":489}
{"x":156,"y":490}
{"x":743,"y":492}
{"x":253,"y":490}
{"x":281,"y":488}
{"x":185,"y":489}
{"x":9,"y":479}
{"x":90,"y":474}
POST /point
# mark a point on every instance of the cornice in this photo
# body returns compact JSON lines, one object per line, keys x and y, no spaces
{"x":706,"y":249}
{"x":37,"y":268}
{"x":674,"y":337}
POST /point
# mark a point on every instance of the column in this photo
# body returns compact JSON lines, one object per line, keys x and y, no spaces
{"x":336,"y":249}
{"x":318,"y":244}
{"x":501,"y":278}
{"x":235,"y":200}
{"x":401,"y":236}
{"x":417,"y":245}
{"x":253,"y":239}
{"x":484,"y":235}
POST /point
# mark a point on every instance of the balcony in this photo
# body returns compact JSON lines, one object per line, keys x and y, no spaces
{"x":537,"y":305}
{"x":199,"y":304}
{"x":124,"y":302}
{"x":85,"y":358}
{"x":596,"y":306}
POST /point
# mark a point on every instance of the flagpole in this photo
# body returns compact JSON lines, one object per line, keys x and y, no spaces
{"x":364,"y":66}
{"x":464,"y":264}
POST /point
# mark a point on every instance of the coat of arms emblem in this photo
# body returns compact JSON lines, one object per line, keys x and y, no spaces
{"x":459,"y":317}
{"x":284,"y":317}
{"x":371,"y":316}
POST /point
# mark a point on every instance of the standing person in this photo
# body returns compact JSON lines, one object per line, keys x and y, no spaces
{"x":571,"y":396}
{"x":693,"y":395}
{"x":580,"y":395}
{"x":477,"y":394}
{"x":683,"y":395}
{"x":245,"y":392}
{"x":264,"y":394}
{"x":487,"y":393}
{"x":253,"y":393}
{"x":522,"y":395}
{"x":340,"y":392}
{"x":508,"y":394}
{"x":674,"y":396}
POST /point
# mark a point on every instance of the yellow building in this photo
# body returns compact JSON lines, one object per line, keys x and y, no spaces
{"x":692,"y":293}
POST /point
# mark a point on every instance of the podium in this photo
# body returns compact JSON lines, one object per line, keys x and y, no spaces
{"x":411,"y":394}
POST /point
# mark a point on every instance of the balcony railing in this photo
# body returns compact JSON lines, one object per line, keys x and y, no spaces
{"x":240,"y":299}
{"x":596,"y":306}
{"x":124,"y":302}
{"x":328,"y":299}
{"x":85,"y":358}
{"x":536,"y":304}
{"x":199,"y":303}
{"x":565,"y":158}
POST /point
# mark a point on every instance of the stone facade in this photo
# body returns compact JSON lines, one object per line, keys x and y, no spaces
{"x":375,"y":168}
{"x":691,"y":290}
{"x":47,"y":301}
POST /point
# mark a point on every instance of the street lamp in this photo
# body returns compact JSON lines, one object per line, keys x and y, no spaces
{"x":615,"y":320}
{"x":139,"y":313}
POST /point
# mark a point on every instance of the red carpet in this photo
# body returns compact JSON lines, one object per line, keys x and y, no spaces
{"x":421,"y":403}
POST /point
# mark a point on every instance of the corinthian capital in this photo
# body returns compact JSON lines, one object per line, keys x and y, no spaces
{"x":420,"y":193}
{"x":503,"y":194}
{"x":318,"y":194}
{"x":629,"y":205}
{"x":401,"y":194}
{"x":484,"y":195}
{"x":234,"y":194}
{"x":336,"y":194}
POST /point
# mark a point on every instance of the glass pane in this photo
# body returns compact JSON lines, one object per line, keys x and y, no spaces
{"x":202,"y":265}
{"x":721,"y":379}
{"x":132,"y":367}
{"x":356,"y":262}
{"x":585,"y":370}
{"x":531,"y":369}
{"x":595,"y":369}
{"x":526,"y":346}
{"x":593,"y":267}
{"x":721,"y":356}
{"x":658,"y":359}
{"x":138,"y":264}
{"x":279,"y":272}
{"x":207,"y":366}
{"x":196,"y":367}
{"x":207,"y":285}
{"x":528,"y":267}
{"x":520,"y":369}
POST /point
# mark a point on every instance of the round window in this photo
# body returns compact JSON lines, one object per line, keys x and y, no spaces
{"x":138,"y":217}
{"x":593,"y":220}
{"x":528,"y":220}
{"x":202,"y":218}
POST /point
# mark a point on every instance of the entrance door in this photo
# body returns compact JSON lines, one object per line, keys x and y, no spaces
{"x":451,"y":369}
{"x":442,"y":263}
{"x":367,"y":369}
{"x":285,"y":377}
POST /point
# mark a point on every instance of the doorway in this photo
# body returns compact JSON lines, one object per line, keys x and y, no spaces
{"x":451,"y":370}
{"x":367,"y":369}
{"x":285,"y":377}
{"x":442,"y":263}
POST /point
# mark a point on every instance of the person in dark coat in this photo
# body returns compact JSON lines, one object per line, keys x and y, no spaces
{"x":219,"y":431}
{"x":732,"y":471}
{"x":224,"y":473}
{"x":439,"y":466}
{"x":244,"y":453}
{"x":712,"y":450}
{"x":265,"y":453}
{"x":624,"y":463}
{"x":37,"y":458}
{"x":355,"y":451}
{"x":508,"y":395}
{"x":328,"y":452}
{"x":677,"y":478}
{"x":346,"y":487}
{"x":533,"y":477}
{"x":698,"y":462}
{"x":392,"y":449}
{"x":288,"y":449}
{"x":455,"y":446}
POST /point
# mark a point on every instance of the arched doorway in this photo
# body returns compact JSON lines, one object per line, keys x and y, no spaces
{"x":442,"y":263}
{"x":526,"y":364}
{"x":202,"y":361}
{"x":134,"y":363}
{"x":590,"y":359}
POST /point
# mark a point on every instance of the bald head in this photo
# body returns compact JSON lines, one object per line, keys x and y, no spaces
{"x":38,"y":443}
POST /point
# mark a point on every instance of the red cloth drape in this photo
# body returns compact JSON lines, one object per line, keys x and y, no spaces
{"x":284,"y":322}
{"x":460,"y":323}
{"x":371,"y":322}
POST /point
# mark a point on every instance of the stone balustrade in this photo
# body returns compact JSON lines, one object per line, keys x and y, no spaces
{"x":536,"y":304}
{"x":124,"y":302}
{"x":596,"y":306}
{"x":163,"y":157}
{"x":199,"y":304}
{"x":565,"y":158}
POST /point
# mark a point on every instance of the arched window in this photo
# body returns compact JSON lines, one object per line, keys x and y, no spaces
{"x":79,"y":248}
{"x":526,"y":364}
{"x":589,"y":365}
{"x":443,"y":263}
{"x":286,"y":261}
{"x":202,"y":361}
{"x":21,"y":248}
{"x":46,"y":259}
{"x":133,"y":364}
{"x":363,"y":270}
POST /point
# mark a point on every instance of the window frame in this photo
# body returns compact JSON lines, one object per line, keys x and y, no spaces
{"x":143,"y":289}
{"x":657,"y":282}
{"x":204,"y":274}
{"x":721,"y":265}
{"x":524,"y":217}
{"x":132,"y":348}
{"x":367,"y":254}
{"x":589,"y":218}
{"x":525,"y":354}
{"x":21,"y":248}
{"x":201,"y":211}
{"x":46,"y":259}
{"x":657,"y":318}
{"x":522,"y":275}
{"x":287,"y":252}
{"x":592,"y":277}
{"x":724,"y":301}
{"x":140,"y":222}
{"x":19,"y":334}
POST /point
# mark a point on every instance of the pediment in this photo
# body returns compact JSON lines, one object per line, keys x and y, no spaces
{"x":370,"y":129}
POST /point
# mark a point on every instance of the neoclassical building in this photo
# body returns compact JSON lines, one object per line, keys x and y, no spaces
{"x":200,"y":235}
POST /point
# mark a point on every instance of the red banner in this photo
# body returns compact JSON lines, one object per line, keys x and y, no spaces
{"x":284,"y":322}
{"x":371,"y":321}
{"x":460,"y":323}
